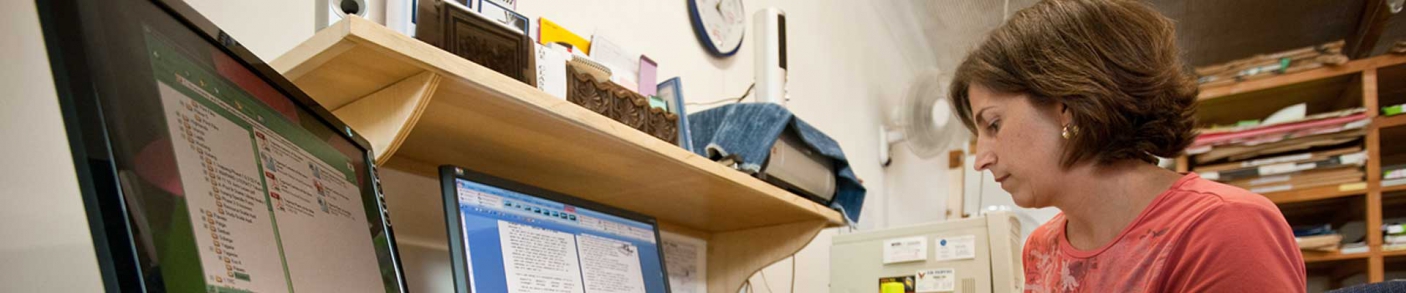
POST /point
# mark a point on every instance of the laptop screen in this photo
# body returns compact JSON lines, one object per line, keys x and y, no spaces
{"x":519,"y":242}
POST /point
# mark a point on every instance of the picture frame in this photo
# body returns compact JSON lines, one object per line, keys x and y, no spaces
{"x":505,"y":15}
{"x":672,"y":92}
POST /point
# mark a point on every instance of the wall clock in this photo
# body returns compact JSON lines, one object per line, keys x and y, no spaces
{"x":719,"y":24}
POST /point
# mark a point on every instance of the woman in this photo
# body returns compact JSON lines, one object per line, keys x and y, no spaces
{"x":1070,"y":100}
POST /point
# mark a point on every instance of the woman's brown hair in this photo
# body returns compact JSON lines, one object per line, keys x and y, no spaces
{"x":1113,"y":64}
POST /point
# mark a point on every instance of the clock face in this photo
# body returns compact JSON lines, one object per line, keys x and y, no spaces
{"x":720,"y":24}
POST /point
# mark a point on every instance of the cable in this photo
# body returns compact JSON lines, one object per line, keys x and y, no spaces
{"x":793,"y":273}
{"x":766,"y":282}
{"x":734,"y":100}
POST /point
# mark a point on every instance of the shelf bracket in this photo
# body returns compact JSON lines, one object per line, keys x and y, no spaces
{"x":386,"y":117}
{"x":735,"y":256}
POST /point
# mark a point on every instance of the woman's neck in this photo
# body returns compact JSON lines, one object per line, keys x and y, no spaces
{"x":1100,"y":201}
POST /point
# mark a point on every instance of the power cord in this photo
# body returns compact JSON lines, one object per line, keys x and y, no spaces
{"x":768,"y":282}
{"x":793,"y":273}
{"x":734,"y":100}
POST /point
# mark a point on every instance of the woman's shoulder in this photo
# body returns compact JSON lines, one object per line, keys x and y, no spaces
{"x":1209,"y":208}
{"x":1207,"y":194}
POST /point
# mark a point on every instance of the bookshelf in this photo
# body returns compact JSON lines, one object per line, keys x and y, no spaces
{"x":1318,"y":193}
{"x":421,"y":107}
{"x":1365,"y":83}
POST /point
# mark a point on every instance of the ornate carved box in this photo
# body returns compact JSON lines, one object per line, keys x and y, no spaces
{"x":616,"y":102}
{"x":476,"y":38}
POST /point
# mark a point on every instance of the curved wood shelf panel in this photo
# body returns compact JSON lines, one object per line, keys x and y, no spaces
{"x":422,"y":107}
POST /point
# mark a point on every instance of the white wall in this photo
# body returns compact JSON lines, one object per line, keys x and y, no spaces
{"x":270,"y":27}
{"x":46,"y":246}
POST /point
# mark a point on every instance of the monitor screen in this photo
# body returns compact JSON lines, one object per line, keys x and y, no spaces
{"x":225,"y":182}
{"x":518,"y":239}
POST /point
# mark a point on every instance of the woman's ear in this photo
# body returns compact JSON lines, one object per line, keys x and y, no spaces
{"x":1065,"y":116}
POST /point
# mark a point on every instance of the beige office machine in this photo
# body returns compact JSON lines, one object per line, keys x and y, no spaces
{"x":980,"y":254}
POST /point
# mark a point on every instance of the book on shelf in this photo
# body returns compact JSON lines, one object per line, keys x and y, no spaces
{"x":1354,"y":248}
{"x":1393,"y":172}
{"x":1393,"y":182}
{"x":1393,"y":110}
{"x":1349,"y":159}
{"x":1394,"y":247}
{"x":1312,"y":230}
{"x":1329,"y":242}
{"x":1304,"y":179}
{"x":1291,"y":158}
{"x":1241,"y":152}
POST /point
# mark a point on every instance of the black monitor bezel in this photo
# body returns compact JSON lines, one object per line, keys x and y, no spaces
{"x":452,"y":217}
{"x":61,"y":22}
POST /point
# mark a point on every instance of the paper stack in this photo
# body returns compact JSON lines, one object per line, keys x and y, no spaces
{"x":1393,"y":175}
{"x":1285,"y":154}
{"x":1394,"y":236}
{"x":1261,"y":66}
{"x":1318,"y":238}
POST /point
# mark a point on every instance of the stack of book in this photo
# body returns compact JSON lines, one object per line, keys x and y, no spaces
{"x":1393,"y":175}
{"x":1314,"y":151}
{"x":1320,"y":238}
{"x":1394,"y":236}
{"x":1261,"y":66}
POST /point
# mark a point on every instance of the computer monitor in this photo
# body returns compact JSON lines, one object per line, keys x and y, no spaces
{"x":514,"y":238}
{"x":203,"y":169}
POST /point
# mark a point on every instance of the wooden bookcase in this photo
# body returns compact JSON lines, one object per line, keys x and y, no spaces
{"x":421,"y":107}
{"x":1366,"y":83}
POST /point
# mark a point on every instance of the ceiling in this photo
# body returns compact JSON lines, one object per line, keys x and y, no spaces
{"x":1217,"y":31}
{"x":1208,"y":31}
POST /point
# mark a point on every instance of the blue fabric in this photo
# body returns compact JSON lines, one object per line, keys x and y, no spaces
{"x":1390,"y":286}
{"x":745,"y":132}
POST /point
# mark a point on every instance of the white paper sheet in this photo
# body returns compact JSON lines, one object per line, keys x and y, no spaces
{"x":609,"y":265}
{"x":551,"y":71}
{"x":538,"y":260}
{"x":936,"y":280}
{"x":905,"y":249}
{"x":624,"y":65}
{"x":955,"y":248}
{"x":686,"y":259}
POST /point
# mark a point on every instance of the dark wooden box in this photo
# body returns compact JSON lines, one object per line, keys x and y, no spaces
{"x":478,"y":39}
{"x":623,"y":105}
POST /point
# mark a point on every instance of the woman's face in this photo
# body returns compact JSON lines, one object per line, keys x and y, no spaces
{"x":1020,"y":143}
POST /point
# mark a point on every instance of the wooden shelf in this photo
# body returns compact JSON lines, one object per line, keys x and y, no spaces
{"x":421,"y":107}
{"x":1325,"y":192}
{"x":1390,"y":121}
{"x":1313,"y":256}
{"x":1394,"y":188}
{"x":1394,"y":253}
{"x":1352,"y":67}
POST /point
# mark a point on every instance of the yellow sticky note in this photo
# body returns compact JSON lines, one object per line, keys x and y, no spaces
{"x":892,"y":287}
{"x":549,"y":32}
{"x":1352,"y":186}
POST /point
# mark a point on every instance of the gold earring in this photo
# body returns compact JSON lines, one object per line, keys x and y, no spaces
{"x":1066,"y":132}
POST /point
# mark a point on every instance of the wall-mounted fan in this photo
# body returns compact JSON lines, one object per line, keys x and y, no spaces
{"x":925,"y":120}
